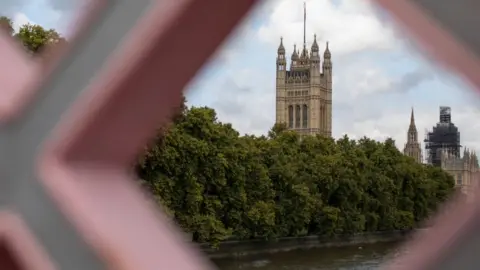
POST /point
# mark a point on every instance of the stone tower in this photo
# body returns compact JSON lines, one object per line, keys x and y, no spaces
{"x":412,"y":147}
{"x":304,"y":92}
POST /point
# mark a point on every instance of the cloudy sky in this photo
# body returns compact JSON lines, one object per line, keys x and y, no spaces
{"x":379,"y":73}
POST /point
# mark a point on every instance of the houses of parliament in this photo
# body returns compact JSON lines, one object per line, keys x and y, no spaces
{"x":443,"y":149}
{"x":304,"y":91}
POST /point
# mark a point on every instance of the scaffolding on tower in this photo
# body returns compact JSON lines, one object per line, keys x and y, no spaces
{"x":444,"y":136}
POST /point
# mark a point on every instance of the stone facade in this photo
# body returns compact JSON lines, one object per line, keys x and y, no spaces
{"x":465,"y":170}
{"x":412,"y":147}
{"x":304,"y":92}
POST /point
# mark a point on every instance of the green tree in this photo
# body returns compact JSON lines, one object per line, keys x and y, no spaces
{"x":219,"y":185}
{"x":35,"y":37}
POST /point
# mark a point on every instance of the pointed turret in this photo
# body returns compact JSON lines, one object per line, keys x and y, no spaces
{"x":412,"y":147}
{"x":327,"y":54}
{"x":294,"y":56}
{"x":281,"y":48}
{"x":315,"y":56}
{"x":315,"y":44}
{"x":327,"y":63}
{"x":281,"y":60}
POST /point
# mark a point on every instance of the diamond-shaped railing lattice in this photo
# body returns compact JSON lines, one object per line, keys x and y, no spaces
{"x":67,"y":191}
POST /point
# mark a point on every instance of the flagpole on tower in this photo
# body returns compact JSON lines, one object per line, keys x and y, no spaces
{"x":304,"y":24}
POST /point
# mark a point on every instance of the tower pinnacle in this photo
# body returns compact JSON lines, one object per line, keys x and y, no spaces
{"x":327,"y":54}
{"x":412,"y":119}
{"x":315,"y":44}
{"x":281,"y":49}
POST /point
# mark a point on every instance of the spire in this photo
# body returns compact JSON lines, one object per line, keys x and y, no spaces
{"x":412,"y":147}
{"x":412,"y":119}
{"x":412,"y":129}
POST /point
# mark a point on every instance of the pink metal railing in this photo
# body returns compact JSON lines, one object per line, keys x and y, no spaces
{"x":133,"y":62}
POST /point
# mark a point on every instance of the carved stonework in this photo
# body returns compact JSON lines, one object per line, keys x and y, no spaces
{"x":305,"y":86}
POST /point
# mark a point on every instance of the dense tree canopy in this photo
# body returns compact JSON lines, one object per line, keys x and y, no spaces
{"x":217,"y":184}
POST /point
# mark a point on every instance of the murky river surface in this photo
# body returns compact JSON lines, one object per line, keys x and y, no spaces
{"x":344,"y":258}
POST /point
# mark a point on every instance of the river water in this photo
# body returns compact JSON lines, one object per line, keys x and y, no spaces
{"x":342,"y":258}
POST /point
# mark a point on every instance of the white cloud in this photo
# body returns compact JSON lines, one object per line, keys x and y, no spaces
{"x":350,"y":26}
{"x":358,"y":79}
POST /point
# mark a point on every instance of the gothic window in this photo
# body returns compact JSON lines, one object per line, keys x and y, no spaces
{"x":290,"y":116}
{"x":280,"y":67}
{"x":412,"y":137}
{"x":305,"y":116}
{"x":297,"y":116}
{"x":459,"y":179}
